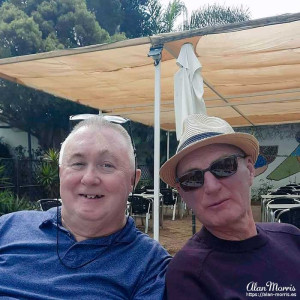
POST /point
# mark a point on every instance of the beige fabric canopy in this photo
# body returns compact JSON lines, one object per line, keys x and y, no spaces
{"x":251,"y":72}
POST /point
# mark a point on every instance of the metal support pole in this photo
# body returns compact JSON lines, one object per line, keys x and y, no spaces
{"x":193,"y":223}
{"x":168,"y":148}
{"x":30,"y":162}
{"x":155,"y":53}
{"x":168,"y":145}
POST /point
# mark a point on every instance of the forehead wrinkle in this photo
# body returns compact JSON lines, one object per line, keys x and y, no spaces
{"x":100,"y":153}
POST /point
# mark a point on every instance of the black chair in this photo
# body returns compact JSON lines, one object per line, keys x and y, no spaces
{"x":46,"y":204}
{"x":291,"y":216}
{"x":140,"y":207}
{"x":280,"y":192}
{"x":140,"y":190}
{"x":295,"y":216}
{"x":288,"y":189}
{"x":284,"y":200}
{"x":169,"y":200}
{"x":271,"y":214}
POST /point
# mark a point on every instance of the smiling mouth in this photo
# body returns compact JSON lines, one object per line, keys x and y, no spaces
{"x":91,"y":196}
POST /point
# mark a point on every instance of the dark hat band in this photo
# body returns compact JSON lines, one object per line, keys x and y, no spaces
{"x":196,"y":138}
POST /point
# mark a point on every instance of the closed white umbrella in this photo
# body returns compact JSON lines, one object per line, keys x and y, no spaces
{"x":188,"y":92}
{"x":188,"y":87}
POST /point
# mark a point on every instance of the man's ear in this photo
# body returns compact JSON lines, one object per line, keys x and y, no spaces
{"x":179,"y":189}
{"x":138,"y":174}
{"x":250,"y":166}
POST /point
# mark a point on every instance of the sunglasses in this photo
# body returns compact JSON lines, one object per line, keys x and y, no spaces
{"x":221,"y":168}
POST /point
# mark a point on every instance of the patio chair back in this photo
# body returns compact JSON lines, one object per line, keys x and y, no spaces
{"x":168,"y":196}
{"x":169,"y":200}
{"x":46,"y":204}
{"x":291,"y":216}
{"x":280,"y":192}
{"x":140,"y":207}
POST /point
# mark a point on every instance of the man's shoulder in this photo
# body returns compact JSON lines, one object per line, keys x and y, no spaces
{"x":140,"y":244}
{"x":24,"y":217}
{"x":279,"y":228}
{"x":195,"y":249}
{"x":147,"y":243}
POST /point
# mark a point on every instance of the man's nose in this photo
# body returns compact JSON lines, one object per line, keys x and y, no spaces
{"x":211,"y":183}
{"x":91,"y":176}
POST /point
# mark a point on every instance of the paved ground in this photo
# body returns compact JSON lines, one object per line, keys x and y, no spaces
{"x":174,"y":234}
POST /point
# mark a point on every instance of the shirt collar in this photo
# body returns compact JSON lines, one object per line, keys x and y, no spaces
{"x":125,"y":235}
{"x":252,"y":243}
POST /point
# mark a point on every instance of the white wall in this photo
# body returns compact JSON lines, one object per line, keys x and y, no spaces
{"x":286,"y":137}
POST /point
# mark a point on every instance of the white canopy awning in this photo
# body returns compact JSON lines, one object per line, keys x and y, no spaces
{"x":251,"y":73}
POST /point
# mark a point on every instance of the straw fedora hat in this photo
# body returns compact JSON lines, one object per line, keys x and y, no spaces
{"x":200,"y":130}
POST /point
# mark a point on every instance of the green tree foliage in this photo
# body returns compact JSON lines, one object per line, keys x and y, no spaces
{"x":28,"y":27}
{"x":61,"y":23}
{"x":5,"y":150}
{"x":148,"y":17}
{"x":170,"y":15}
{"x":108,"y":14}
{"x":11,"y":203}
{"x":45,"y":116}
{"x":135,"y":18}
{"x":159,"y":20}
{"x":215,"y":14}
{"x":19,"y":34}
{"x":156,"y":17}
{"x":4,"y":180}
{"x":48,"y":173}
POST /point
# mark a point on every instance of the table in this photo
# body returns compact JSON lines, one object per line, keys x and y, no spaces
{"x":267,"y":198}
{"x":297,"y":190}
{"x":151,"y":197}
{"x":271,"y":208}
{"x":180,"y":205}
{"x":280,"y":196}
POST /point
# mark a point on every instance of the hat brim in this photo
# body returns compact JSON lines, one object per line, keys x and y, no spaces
{"x":246,"y":142}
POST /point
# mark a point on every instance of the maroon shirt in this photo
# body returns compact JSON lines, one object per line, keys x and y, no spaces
{"x":210,"y":268}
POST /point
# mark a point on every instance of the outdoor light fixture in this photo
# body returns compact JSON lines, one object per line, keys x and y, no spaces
{"x":155,"y":53}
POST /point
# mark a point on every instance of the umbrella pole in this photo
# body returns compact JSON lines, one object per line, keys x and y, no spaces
{"x":155,"y":53}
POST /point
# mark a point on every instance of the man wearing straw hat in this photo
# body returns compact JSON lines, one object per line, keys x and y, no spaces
{"x":231,"y":257}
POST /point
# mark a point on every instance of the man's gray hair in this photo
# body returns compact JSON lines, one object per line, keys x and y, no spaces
{"x":99,"y":123}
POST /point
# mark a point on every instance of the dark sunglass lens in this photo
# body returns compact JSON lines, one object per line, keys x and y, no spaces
{"x":191,"y":180}
{"x":224,"y":167}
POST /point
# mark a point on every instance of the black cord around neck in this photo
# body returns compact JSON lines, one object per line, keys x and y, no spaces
{"x":135,"y":159}
{"x":57,"y":248}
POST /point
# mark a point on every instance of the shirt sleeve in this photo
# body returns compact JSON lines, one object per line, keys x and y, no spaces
{"x":152,"y":284}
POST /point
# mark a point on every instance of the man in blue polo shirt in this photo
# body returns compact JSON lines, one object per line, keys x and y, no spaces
{"x":87,"y":248}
